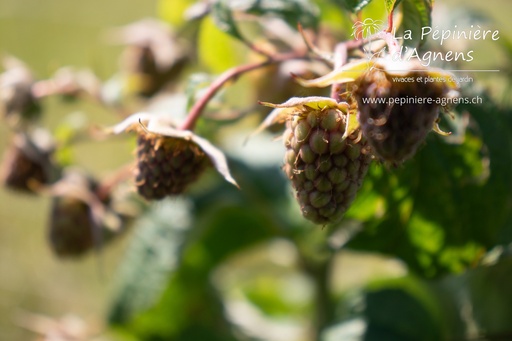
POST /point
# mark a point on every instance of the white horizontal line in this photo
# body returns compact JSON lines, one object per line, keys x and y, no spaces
{"x":446,"y":70}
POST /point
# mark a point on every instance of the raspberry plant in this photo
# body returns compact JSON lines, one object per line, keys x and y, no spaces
{"x":231,"y":257}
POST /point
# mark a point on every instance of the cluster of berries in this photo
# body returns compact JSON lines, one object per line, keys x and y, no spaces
{"x":81,"y":213}
{"x":330,"y":144}
{"x":86,"y":212}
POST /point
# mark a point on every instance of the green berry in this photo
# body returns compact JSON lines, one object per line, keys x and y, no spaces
{"x":329,"y":169}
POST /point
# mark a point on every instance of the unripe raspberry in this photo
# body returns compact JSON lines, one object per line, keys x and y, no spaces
{"x":154,"y":56}
{"x":27,"y":163}
{"x":17,"y":101}
{"x":71,"y":226}
{"x":79,"y":216}
{"x":169,"y":159}
{"x":166,"y":165}
{"x":395,"y":130}
{"x":325,"y":169}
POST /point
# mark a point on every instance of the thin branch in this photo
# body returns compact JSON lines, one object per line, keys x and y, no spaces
{"x":315,"y":50}
{"x":233,"y":73}
{"x":200,"y":105}
{"x":390,"y":23}
{"x":107,"y":184}
{"x":255,"y":48}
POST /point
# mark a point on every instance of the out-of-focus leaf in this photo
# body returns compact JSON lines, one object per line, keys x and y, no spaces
{"x":391,"y":5}
{"x":491,"y":298}
{"x":474,"y":305}
{"x":273,"y":292}
{"x":478,"y":303}
{"x":403,"y":311}
{"x":223,"y":17}
{"x":333,"y":15}
{"x":352,"y":5}
{"x":189,"y":310}
{"x":263,"y":188}
{"x":416,"y":15}
{"x":351,"y":330}
{"x":446,"y":207}
{"x":230,"y":220}
{"x":150,"y":259}
{"x":292,"y":12}
{"x":227,"y":221}
{"x":217,"y":51}
{"x":196,"y":83}
{"x":225,"y":229}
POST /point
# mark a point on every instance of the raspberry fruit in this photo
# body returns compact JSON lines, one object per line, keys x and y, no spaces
{"x":80,"y":218}
{"x":326,"y":157}
{"x":17,"y":101}
{"x":398,"y":102}
{"x":71,"y":226}
{"x":166,"y":165}
{"x":27,"y":163}
{"x":325,"y":170}
{"x":395,"y":130}
{"x":169,"y":159}
{"x":154,"y":56}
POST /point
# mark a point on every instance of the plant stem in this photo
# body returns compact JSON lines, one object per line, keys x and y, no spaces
{"x":390,"y":22}
{"x":200,"y":105}
{"x":324,"y":314}
{"x":316,"y":260}
{"x":340,"y":59}
{"x":393,"y":46}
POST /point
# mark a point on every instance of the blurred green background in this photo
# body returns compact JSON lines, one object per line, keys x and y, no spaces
{"x":54,"y":33}
{"x":48,"y":35}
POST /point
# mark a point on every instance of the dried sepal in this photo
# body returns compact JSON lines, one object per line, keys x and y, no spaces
{"x":283,"y":111}
{"x":438,"y":130}
{"x":351,"y":126}
{"x":348,"y":73}
{"x":399,"y":68}
{"x":313,"y":102}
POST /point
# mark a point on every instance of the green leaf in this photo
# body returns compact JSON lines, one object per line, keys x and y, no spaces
{"x":416,"y":15}
{"x":334,"y":15}
{"x":292,"y":12}
{"x":391,"y":5}
{"x":427,"y":214}
{"x":353,"y":5}
{"x":491,"y":297}
{"x":485,"y":289}
{"x":243,"y":218}
{"x":404,"y":310}
{"x":227,"y":221}
{"x":150,"y":259}
{"x":222,"y":15}
{"x":189,"y":310}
